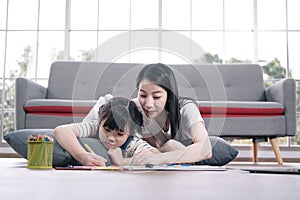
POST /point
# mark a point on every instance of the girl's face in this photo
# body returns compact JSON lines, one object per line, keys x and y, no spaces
{"x":152,"y":98}
{"x":112,"y":139}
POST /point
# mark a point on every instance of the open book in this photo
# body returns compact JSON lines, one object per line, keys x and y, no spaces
{"x":148,"y":168}
{"x":177,"y":168}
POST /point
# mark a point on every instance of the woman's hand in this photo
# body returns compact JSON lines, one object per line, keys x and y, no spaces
{"x":145,"y":157}
{"x":92,"y":159}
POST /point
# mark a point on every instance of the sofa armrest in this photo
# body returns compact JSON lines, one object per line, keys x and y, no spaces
{"x":284,"y":92}
{"x":25,"y":90}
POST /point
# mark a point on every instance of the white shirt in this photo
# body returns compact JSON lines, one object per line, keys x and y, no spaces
{"x":190,"y":115}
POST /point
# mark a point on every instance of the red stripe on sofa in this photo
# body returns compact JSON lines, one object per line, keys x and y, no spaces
{"x":203,"y":115}
{"x":58,"y":109}
{"x":205,"y":111}
{"x":241,"y":111}
{"x":237,"y":115}
{"x":60,"y":114}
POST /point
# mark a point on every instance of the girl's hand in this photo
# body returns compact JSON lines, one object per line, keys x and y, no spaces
{"x":92,"y":159}
{"x":116,"y":156}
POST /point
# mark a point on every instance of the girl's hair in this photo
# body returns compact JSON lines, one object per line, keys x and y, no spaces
{"x":163,"y":76}
{"x":121,"y":113}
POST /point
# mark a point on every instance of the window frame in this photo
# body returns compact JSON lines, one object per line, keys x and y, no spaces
{"x":189,"y":31}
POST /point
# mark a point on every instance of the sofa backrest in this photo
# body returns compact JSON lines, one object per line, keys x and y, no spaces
{"x":86,"y":80}
{"x":89,"y":80}
{"x":231,"y":82}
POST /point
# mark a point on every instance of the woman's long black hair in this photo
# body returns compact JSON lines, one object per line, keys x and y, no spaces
{"x":163,"y":76}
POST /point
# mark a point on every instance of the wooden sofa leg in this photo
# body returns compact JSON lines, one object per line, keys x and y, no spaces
{"x":276,"y":150}
{"x":255,"y":152}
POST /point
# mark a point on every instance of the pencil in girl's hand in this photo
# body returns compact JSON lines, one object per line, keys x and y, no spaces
{"x":89,"y":148}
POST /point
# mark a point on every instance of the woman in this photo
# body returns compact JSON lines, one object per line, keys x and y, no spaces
{"x":118,"y":121}
{"x":168,"y":118}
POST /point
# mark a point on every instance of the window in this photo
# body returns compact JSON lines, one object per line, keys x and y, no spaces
{"x":34,"y":33}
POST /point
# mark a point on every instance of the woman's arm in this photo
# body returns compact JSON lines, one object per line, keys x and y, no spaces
{"x":66,"y":135}
{"x":171,"y":145}
{"x":199,"y":150}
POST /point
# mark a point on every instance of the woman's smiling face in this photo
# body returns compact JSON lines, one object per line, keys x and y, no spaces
{"x":152,"y":98}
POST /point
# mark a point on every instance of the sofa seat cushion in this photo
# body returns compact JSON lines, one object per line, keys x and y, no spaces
{"x":240,"y":108}
{"x":59,"y":107}
{"x":207,"y":108}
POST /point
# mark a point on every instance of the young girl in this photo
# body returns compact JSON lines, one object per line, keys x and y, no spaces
{"x":168,"y":118}
{"x":118,"y":121}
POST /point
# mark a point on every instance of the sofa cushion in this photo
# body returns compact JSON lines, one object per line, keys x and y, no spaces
{"x":219,"y":82}
{"x":222,"y":118}
{"x":223,"y":152}
{"x":250,"y":127}
{"x":206,"y":108}
{"x":18,"y":141}
{"x":50,"y":120}
{"x":59,"y":106}
{"x":100,"y":78}
{"x":240,"y":108}
{"x":201,"y":82}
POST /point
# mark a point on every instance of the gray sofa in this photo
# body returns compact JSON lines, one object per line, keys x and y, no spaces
{"x":232,"y":98}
